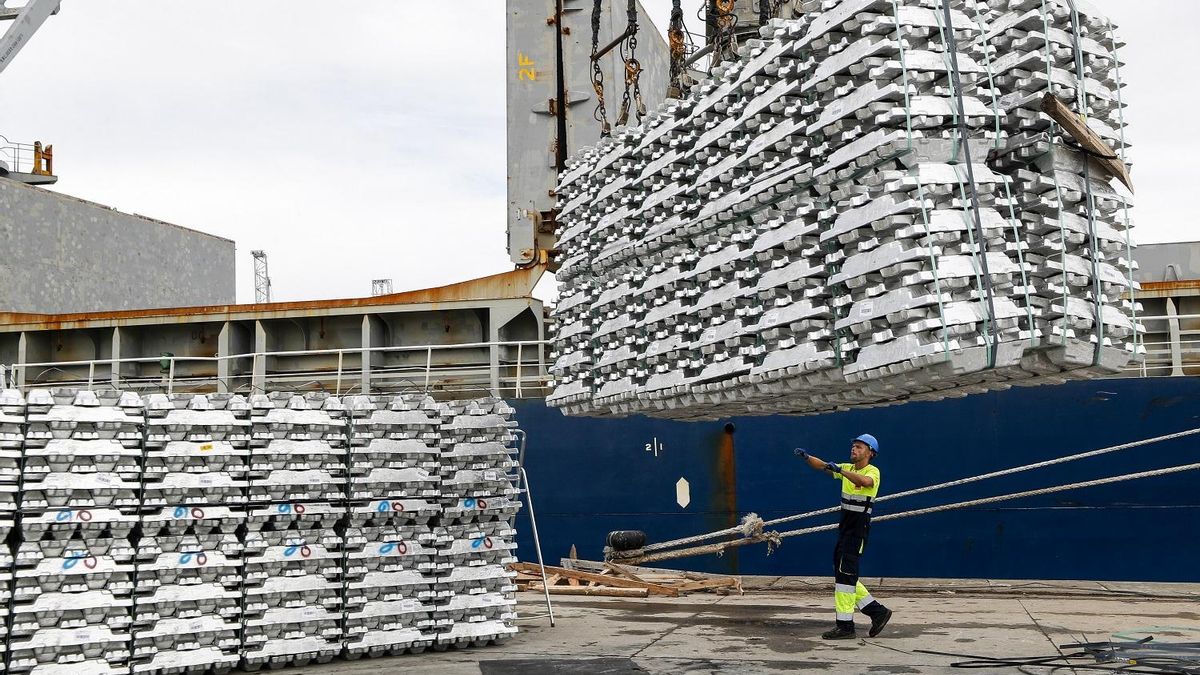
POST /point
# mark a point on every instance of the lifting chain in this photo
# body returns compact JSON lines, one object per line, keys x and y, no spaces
{"x":633,"y":71}
{"x":675,"y":42}
{"x":725,"y":41}
{"x":764,"y":12}
{"x":601,"y":114}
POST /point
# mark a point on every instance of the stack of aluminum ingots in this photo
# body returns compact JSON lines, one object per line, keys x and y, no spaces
{"x":866,"y":208}
{"x":74,"y":562}
{"x":293,"y":551}
{"x":392,"y":564}
{"x":12,"y":440}
{"x":475,"y":537}
{"x":187,"y":600}
{"x":1076,"y":222}
{"x":190,"y":533}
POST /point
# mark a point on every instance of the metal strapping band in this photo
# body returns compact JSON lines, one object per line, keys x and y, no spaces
{"x":1090,"y":205}
{"x":956,"y":82}
{"x":1112,"y":38}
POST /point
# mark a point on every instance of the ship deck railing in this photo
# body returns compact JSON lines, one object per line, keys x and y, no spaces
{"x":508,"y":369}
{"x":1172,"y":346}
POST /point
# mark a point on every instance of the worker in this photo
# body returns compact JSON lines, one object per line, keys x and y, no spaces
{"x":860,"y":485}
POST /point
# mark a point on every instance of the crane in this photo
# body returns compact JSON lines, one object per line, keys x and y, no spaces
{"x":26,"y":21}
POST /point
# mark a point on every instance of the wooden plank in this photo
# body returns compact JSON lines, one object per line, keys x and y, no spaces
{"x":605,"y":591}
{"x":1089,"y":140}
{"x":623,"y":571}
{"x":578,"y":576}
{"x":643,"y":572}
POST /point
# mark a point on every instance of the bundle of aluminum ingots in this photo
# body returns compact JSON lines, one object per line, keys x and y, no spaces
{"x":391,"y":546}
{"x":198,"y":533}
{"x":293,"y":565}
{"x":866,"y":208}
{"x":74,"y":562}
{"x":189,"y":572}
{"x":476,"y":536}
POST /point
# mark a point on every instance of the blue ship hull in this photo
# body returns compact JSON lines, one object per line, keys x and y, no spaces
{"x":590,"y":476}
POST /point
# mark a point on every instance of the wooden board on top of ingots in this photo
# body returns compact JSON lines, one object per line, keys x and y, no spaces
{"x":581,"y":577}
{"x":1091,"y":142}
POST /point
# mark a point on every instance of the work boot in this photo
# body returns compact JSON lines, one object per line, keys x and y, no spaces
{"x":878,"y":621}
{"x":839,"y":633}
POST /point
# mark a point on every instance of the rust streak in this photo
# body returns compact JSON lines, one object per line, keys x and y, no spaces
{"x":726,"y":488}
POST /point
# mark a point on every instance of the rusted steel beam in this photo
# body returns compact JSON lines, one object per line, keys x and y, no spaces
{"x":516,"y":284}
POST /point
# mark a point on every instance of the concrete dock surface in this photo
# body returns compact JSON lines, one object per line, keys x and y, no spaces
{"x":776,"y":626}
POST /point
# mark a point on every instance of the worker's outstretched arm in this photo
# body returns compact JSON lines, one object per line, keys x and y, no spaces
{"x":821,"y":465}
{"x":812,"y":460}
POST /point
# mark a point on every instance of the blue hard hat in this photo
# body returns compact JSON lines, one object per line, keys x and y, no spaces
{"x":870,"y":441}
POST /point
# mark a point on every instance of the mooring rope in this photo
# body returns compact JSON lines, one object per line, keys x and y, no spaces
{"x":775,"y":538}
{"x":752,"y":524}
{"x":753,"y":529}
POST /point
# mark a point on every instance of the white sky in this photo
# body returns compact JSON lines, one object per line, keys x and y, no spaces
{"x":365,"y":139}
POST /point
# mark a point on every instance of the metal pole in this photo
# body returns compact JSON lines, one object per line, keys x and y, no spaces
{"x":518,"y":385}
{"x":1174,"y":340}
{"x":523,"y":482}
{"x":91,"y":373}
{"x":537,"y":545}
{"x":171,"y":376}
{"x":428,"y":366}
{"x":338,"y":388}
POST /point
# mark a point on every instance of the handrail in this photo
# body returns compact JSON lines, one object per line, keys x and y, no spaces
{"x":1174,"y":356}
{"x":493,"y":367}
{"x":20,"y":154}
{"x":516,"y":375}
{"x":300,"y":352}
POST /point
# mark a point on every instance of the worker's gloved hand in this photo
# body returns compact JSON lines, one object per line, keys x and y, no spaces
{"x":833,"y":467}
{"x":801,"y":453}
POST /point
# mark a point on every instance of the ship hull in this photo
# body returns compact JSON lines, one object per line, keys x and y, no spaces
{"x":590,"y":476}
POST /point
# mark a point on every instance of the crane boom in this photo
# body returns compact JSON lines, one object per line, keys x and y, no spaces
{"x":27,"y":20}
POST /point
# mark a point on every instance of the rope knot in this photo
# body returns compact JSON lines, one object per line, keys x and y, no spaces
{"x":752,"y":525}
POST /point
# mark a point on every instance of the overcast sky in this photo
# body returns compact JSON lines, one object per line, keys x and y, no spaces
{"x":365,"y":139}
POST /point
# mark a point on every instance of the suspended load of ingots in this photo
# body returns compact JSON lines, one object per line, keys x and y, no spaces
{"x":199,"y":533}
{"x":804,"y":232}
